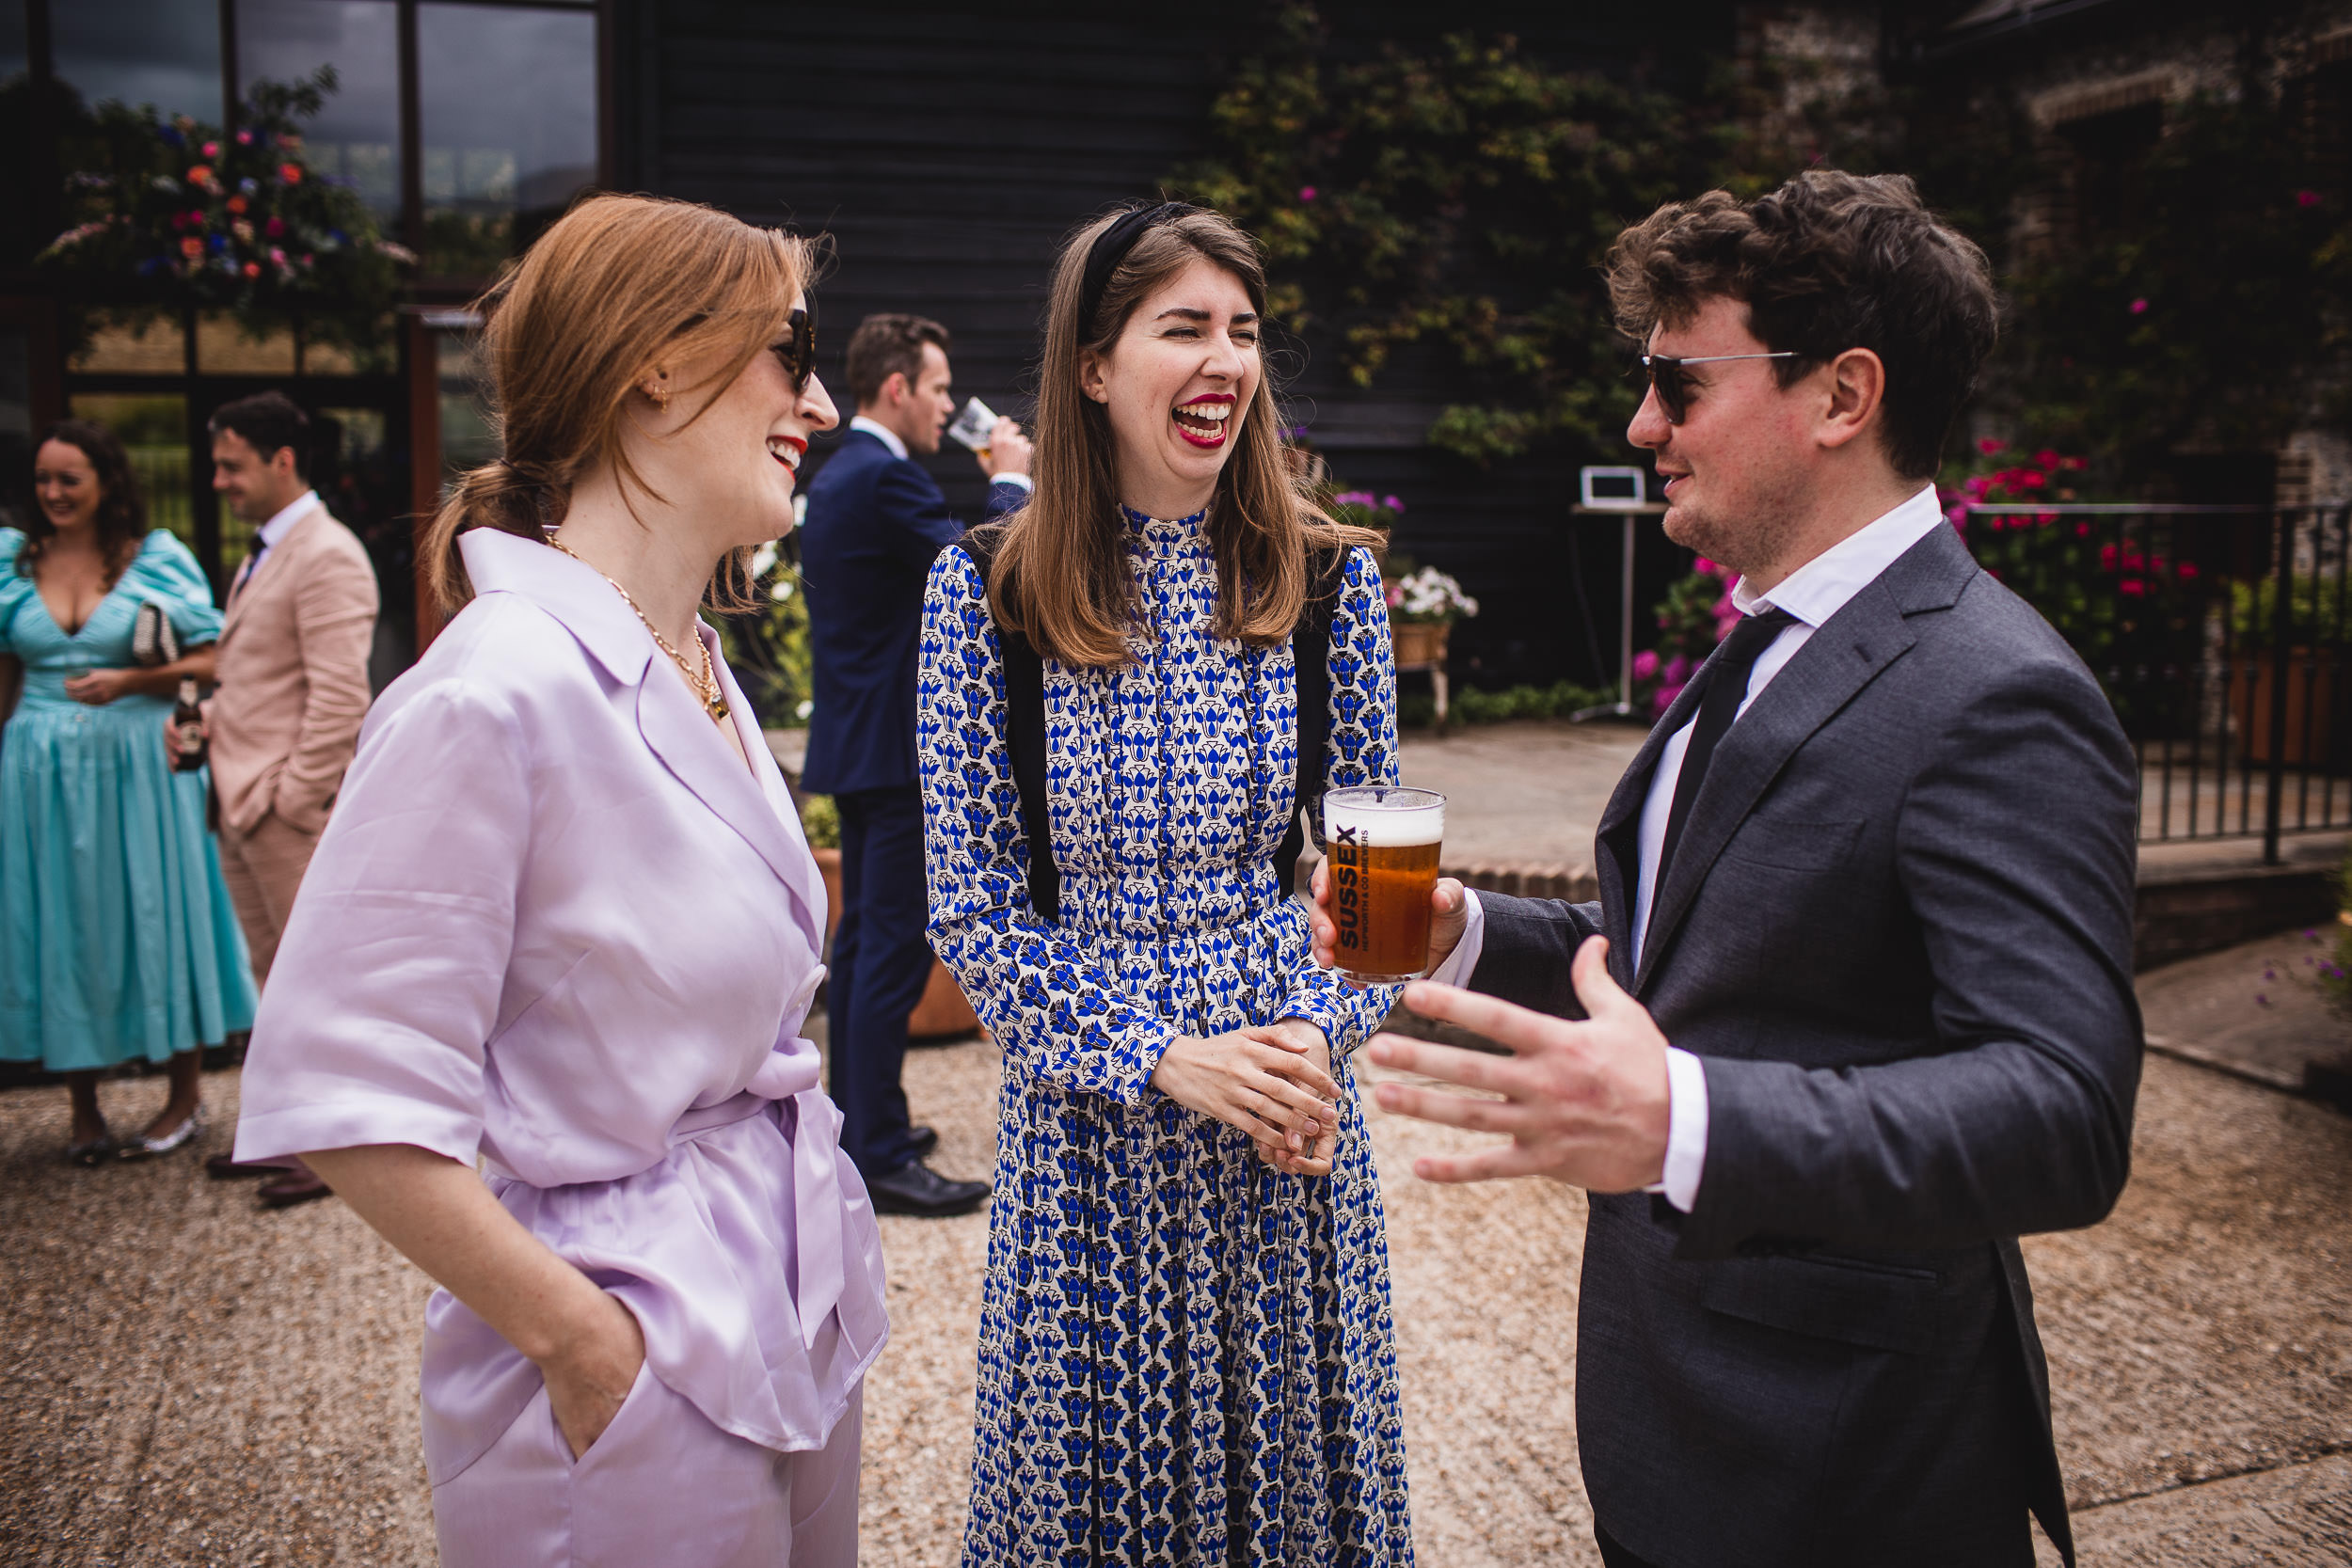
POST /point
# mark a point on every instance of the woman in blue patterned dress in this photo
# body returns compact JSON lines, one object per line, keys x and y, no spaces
{"x":1186,"y":1348}
{"x":117,"y":942}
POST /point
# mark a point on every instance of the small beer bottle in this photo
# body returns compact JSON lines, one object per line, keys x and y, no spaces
{"x":188,"y":745}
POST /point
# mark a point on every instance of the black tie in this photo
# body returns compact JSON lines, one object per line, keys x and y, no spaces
{"x":1726,"y":688}
{"x":245,"y":572}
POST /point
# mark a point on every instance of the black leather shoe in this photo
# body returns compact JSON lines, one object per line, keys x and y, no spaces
{"x":921,"y":1141}
{"x":914,"y":1188}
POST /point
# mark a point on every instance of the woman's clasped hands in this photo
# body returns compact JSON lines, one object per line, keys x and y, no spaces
{"x":1272,"y":1080}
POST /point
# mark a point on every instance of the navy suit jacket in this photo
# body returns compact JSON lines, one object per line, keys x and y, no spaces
{"x":874,"y":523}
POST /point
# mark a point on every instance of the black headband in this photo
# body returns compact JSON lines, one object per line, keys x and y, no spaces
{"x":1110,"y":247}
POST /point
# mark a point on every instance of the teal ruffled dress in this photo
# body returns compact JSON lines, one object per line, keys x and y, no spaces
{"x":118,"y":941}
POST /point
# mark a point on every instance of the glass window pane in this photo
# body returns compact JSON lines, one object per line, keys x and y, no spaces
{"x":468,"y":436}
{"x":12,"y":57}
{"x":375,"y":354}
{"x":160,"y":51}
{"x":154,"y":430}
{"x":509,"y":108}
{"x":363,"y":479}
{"x":223,"y":347}
{"x":16,"y":425}
{"x":356,"y":138}
{"x":21,"y":227}
{"x":155,"y":346}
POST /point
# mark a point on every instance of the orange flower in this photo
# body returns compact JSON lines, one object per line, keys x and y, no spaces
{"x":191,"y":247}
{"x":237,"y":204}
{"x":201,"y":175}
{"x":253,"y":269}
{"x":290,"y":173}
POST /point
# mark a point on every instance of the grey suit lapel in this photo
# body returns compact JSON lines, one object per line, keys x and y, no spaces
{"x":1843,"y":657}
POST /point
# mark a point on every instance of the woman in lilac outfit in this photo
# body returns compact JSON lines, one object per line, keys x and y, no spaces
{"x":564,"y":923}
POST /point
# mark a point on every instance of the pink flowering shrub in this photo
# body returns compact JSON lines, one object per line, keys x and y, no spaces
{"x":2112,"y":585}
{"x":1695,"y":614}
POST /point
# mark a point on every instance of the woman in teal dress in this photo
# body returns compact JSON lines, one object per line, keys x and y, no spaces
{"x":118,"y":941}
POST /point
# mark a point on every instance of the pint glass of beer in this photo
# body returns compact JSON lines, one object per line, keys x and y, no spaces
{"x":1382,"y":840}
{"x":972,"y":427}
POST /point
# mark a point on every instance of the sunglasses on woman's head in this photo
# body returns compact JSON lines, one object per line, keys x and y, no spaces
{"x":797,"y":350}
{"x":1673,"y":389}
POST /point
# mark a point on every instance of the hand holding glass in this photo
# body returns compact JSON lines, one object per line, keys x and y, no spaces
{"x":1383,"y":842}
{"x":972,"y":426}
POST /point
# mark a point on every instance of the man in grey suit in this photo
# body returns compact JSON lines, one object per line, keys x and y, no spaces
{"x":1853,"y":1011}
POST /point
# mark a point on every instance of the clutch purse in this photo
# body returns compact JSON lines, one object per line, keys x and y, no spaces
{"x":152,"y":641}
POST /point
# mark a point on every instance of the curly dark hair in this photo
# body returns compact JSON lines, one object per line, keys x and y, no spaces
{"x":121,"y":507}
{"x":1829,"y":261}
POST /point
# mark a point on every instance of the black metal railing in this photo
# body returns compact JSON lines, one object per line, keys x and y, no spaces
{"x":2223,"y":636}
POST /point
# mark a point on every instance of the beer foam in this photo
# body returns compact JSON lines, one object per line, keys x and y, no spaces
{"x":1399,"y":826}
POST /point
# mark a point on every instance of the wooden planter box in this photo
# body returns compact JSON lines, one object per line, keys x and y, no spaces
{"x":2315,"y":695}
{"x":943,"y":1013}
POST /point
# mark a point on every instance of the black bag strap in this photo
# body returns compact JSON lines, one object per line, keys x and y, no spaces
{"x":1311,"y":651}
{"x":1025,"y":720}
{"x":1025,"y":735}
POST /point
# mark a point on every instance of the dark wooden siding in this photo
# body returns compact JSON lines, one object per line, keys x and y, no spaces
{"x":948,"y":150}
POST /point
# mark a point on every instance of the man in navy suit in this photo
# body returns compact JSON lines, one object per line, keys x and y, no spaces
{"x":875,"y":520}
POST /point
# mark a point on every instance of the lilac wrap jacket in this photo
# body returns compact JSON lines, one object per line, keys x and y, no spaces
{"x":554,"y":923}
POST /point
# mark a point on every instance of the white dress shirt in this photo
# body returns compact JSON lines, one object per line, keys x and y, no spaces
{"x":1812,"y":593}
{"x":267,"y":535}
{"x":889,"y":438}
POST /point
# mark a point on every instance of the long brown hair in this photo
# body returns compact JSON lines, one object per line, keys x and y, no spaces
{"x":121,"y":521}
{"x":618,"y":283}
{"x":1060,"y":574}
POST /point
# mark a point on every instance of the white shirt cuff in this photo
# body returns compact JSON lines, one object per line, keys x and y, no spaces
{"x":1686,"y":1129}
{"x":1022,"y":480}
{"x":1456,"y":968}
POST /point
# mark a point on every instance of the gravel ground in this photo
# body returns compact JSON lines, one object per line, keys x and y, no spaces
{"x":192,"y":1382}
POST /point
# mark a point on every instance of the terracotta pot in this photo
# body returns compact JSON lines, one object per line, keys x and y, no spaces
{"x":1419,"y":643}
{"x":828,"y":862}
{"x":943,"y":1012}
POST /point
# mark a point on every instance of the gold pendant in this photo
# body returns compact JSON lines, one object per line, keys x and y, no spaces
{"x":718,"y":710}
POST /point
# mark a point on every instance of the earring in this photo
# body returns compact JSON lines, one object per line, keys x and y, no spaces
{"x":659,"y":391}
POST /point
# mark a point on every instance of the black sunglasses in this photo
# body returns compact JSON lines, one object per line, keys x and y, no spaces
{"x":1674,"y":392}
{"x":797,"y":354}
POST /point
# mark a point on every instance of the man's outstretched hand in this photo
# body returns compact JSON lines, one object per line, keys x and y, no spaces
{"x":1584,"y":1102}
{"x":1449,"y":913}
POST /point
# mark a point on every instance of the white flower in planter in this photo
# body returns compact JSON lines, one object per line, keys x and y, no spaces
{"x":1430,"y":595}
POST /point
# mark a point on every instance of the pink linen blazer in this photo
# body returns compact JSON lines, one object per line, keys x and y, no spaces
{"x":293,"y":676}
{"x":555,"y":923}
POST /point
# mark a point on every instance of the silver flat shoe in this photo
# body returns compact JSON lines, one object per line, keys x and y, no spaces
{"x":147,"y":1148}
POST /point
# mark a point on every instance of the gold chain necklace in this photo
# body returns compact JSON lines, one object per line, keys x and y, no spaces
{"x":704,"y":681}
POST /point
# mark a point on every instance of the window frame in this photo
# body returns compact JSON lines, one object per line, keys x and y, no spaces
{"x":403,"y":393}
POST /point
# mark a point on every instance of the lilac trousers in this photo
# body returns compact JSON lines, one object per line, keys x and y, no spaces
{"x":661,"y":1485}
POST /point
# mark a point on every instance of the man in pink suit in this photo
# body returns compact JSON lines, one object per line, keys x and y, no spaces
{"x":293,"y":688}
